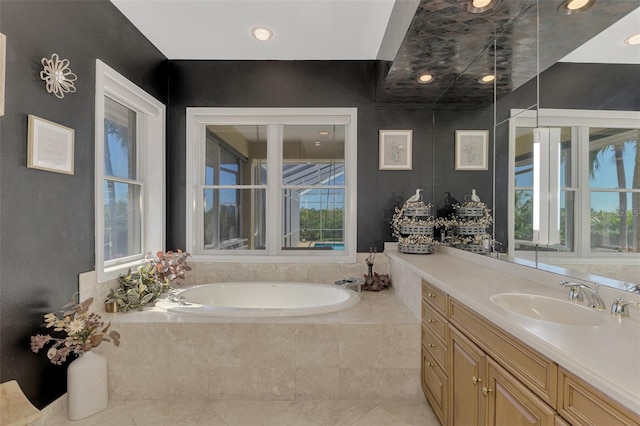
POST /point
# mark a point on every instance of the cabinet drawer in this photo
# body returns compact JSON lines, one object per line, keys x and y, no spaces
{"x":435,"y":297}
{"x":434,"y":322}
{"x":435,"y":386}
{"x":580,"y":403}
{"x":436,"y":348}
{"x":537,"y":372}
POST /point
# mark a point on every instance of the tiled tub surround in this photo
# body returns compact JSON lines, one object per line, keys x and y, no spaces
{"x":369,"y":351}
{"x":218,"y":272}
{"x":605,"y":356}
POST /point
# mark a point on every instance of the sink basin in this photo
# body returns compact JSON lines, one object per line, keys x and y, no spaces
{"x":547,"y":309}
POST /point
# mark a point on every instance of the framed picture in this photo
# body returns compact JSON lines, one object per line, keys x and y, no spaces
{"x":50,"y":146}
{"x":472,"y":149}
{"x":3,"y":64}
{"x":395,"y":149}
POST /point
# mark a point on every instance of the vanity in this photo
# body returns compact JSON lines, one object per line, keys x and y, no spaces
{"x":501,"y":344}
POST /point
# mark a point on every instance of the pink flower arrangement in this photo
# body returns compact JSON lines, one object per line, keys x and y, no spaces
{"x":170,"y":266}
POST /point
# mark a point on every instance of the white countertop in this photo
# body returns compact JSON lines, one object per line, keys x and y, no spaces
{"x":606,"y":356}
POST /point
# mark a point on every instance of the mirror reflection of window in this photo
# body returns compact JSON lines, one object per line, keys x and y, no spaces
{"x":599,"y":196}
{"x":614,"y":190}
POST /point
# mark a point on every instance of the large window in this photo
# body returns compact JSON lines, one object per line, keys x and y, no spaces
{"x":129,"y":172}
{"x":271,"y":183}
{"x":597,"y":170}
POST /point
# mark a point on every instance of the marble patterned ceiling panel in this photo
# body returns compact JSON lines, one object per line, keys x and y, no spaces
{"x":458,"y":47}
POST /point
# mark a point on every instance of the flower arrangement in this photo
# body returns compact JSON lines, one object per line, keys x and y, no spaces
{"x":170,"y":266}
{"x":149,"y":281}
{"x":78,"y":331}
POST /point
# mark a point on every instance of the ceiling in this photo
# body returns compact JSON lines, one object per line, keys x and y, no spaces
{"x":414,"y":36}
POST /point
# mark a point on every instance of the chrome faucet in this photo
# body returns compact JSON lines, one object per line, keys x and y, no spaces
{"x":354,"y":284}
{"x":578,"y":292}
{"x":619,"y":307}
{"x":174,"y":298}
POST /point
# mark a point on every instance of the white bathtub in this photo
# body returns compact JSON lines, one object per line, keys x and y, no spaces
{"x":262,"y":299}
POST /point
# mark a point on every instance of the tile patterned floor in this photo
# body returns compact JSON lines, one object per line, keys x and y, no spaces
{"x":257,"y":413}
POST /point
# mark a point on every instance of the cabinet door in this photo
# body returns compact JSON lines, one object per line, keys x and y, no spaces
{"x":435,"y":386}
{"x":512,"y":404}
{"x":467,"y":370}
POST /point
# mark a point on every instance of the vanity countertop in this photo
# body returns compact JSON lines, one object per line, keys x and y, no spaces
{"x":606,"y":356}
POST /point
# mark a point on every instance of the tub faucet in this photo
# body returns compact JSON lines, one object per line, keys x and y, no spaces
{"x":353,"y":283}
{"x":578,"y":292}
{"x":174,"y":298}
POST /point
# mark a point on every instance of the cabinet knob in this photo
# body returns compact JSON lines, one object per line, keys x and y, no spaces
{"x":431,"y":295}
{"x":430,"y":364}
{"x":431,"y":345}
{"x":475,"y":380}
{"x":485,"y":390}
{"x":431,"y":320}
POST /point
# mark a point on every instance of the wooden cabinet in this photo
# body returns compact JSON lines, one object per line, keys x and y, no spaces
{"x":474,"y":373}
{"x":483,"y":393}
{"x":435,"y":337}
{"x":581,"y":404}
{"x":511,"y":403}
{"x":466,"y":375}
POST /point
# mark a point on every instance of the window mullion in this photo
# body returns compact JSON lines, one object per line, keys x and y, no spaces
{"x":583,"y":213}
{"x":274,"y":182}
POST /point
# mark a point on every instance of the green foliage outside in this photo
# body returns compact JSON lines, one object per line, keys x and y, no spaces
{"x":322,"y":225}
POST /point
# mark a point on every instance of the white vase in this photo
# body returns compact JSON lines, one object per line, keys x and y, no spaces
{"x":87,"y":386}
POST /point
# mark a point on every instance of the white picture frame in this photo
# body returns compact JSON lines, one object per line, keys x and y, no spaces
{"x":50,"y":146}
{"x":395,"y":149}
{"x":472,"y":150}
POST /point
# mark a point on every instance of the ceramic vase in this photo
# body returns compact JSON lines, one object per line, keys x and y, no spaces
{"x":87,"y":386}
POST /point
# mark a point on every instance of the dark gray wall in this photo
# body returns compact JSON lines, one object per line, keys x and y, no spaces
{"x":564,"y":86}
{"x":303,"y":84}
{"x":47,"y":219}
{"x":460,"y":182}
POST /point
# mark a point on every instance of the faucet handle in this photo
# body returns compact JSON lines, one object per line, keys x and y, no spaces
{"x":619,"y":307}
{"x":575,"y":291}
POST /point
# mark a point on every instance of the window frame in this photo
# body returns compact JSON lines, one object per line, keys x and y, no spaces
{"x":580,"y":121}
{"x":150,"y":158}
{"x":197,"y":118}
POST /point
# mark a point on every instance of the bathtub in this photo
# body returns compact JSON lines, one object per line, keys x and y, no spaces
{"x":261,"y":299}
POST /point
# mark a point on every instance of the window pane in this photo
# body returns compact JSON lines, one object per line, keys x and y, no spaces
{"x":523,"y":218}
{"x":614,"y":158}
{"x":119,"y":140}
{"x":232,"y":152}
{"x":524,"y":157}
{"x":313,"y":219}
{"x":567,"y":213}
{"x":565,"y":157}
{"x":313,"y":155}
{"x":615,"y":223}
{"x":234,"y":219}
{"x":122,"y":220}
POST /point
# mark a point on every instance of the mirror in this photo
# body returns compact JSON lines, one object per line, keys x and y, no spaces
{"x":533,"y":88}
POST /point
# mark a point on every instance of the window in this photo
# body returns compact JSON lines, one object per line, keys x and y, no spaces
{"x":271,"y":183}
{"x":129,"y":170}
{"x":598,"y":176}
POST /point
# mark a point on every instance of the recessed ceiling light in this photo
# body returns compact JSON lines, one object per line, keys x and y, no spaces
{"x":487,"y":78}
{"x":633,"y":40}
{"x":425,"y":78}
{"x":575,"y":6}
{"x":317,"y":143}
{"x":323,"y":133}
{"x":480,"y":6}
{"x":262,"y":33}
